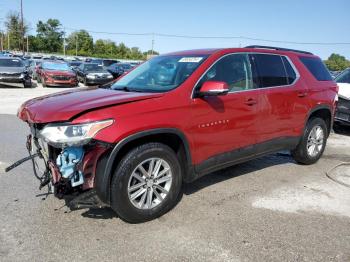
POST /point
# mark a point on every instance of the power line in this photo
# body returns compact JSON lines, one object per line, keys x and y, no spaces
{"x":212,"y":37}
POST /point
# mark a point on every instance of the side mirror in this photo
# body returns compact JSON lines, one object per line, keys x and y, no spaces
{"x":213,"y":88}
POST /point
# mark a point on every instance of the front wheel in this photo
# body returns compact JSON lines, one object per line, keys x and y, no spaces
{"x":313,"y":142}
{"x":147,"y":183}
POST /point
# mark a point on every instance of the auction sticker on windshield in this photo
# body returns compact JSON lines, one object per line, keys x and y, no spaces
{"x":190,"y":59}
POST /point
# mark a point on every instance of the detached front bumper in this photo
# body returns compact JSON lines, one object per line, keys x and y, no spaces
{"x":71,"y":170}
{"x":14,"y":81}
{"x":342,"y":115}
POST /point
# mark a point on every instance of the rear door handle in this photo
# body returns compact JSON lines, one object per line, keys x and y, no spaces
{"x":302,"y":93}
{"x":251,"y":102}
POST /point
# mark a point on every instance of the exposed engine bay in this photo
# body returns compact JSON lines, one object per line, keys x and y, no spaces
{"x":67,"y":172}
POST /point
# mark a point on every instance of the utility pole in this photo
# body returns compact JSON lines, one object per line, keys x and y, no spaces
{"x":27,"y":45}
{"x":22,"y":26}
{"x":2,"y":41}
{"x":76,"y":45}
{"x":64,"y":41}
{"x":8,"y":40}
{"x":152,"y":43}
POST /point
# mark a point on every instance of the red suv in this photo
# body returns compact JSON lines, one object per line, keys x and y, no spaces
{"x":52,"y":73}
{"x":132,"y":143}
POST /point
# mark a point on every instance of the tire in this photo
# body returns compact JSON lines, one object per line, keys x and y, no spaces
{"x":131,"y":211}
{"x":301,"y":154}
{"x":28,"y":84}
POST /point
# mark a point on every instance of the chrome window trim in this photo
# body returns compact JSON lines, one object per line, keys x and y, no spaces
{"x":297,"y":74}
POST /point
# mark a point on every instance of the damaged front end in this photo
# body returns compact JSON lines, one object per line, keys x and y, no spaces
{"x":342,"y":115}
{"x":65,"y":158}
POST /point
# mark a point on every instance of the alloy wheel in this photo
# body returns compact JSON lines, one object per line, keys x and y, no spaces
{"x":315,"y":141}
{"x":149,"y":183}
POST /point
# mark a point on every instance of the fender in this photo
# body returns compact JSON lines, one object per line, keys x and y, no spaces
{"x":319,"y":107}
{"x":104,"y":171}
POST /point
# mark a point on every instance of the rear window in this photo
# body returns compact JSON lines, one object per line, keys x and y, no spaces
{"x":316,"y":68}
{"x":271,"y":70}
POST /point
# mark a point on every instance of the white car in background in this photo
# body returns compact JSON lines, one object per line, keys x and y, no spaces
{"x":343,"y":108}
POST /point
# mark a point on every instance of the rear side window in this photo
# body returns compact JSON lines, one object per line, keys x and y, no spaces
{"x":316,"y":68}
{"x":271,"y":70}
{"x":291,"y":75}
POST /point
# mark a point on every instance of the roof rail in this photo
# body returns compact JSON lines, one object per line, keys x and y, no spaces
{"x":278,"y":48}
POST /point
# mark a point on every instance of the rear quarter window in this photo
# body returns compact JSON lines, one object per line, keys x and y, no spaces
{"x":316,"y":68}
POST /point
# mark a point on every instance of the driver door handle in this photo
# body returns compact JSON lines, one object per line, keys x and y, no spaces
{"x":251,"y":102}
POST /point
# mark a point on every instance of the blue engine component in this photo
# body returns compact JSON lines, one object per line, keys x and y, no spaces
{"x":67,"y":163}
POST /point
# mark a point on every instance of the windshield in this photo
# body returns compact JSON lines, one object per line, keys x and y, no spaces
{"x":74,"y":63}
{"x":56,"y":66}
{"x":93,"y":67}
{"x":343,"y":77}
{"x":97,"y":61}
{"x":11,"y":63}
{"x":109,"y":62}
{"x":160,"y":74}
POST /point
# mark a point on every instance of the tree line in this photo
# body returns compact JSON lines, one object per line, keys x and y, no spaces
{"x":337,"y":62}
{"x":50,"y":38}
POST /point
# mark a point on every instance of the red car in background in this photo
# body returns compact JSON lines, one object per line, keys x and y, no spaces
{"x":56,"y":74}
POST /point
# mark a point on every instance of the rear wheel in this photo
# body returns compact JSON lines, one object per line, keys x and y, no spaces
{"x":147,"y":183}
{"x":313,"y":142}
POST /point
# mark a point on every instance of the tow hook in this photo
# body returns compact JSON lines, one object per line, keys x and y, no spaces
{"x":68,"y":164}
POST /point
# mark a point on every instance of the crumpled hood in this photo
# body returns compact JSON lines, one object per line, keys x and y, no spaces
{"x":63,"y":106}
{"x":344,"y":90}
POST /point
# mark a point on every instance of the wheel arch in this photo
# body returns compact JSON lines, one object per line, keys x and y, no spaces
{"x":324,"y":112}
{"x":172,"y":137}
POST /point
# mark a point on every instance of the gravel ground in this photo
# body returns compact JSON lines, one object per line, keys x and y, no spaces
{"x":268,"y":209}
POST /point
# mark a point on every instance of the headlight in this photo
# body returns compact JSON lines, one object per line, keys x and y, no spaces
{"x":109,"y":76}
{"x":91,"y":76}
{"x":68,"y":135}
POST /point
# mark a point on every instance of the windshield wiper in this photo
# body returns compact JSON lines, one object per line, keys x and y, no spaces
{"x":123,"y":88}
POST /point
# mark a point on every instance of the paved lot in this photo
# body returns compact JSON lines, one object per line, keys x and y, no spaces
{"x":269,"y":209}
{"x":12,"y":97}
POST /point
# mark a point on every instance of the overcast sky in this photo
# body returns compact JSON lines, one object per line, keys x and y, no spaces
{"x":289,"y":20}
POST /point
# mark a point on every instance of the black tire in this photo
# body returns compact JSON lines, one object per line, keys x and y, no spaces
{"x":300,"y":153}
{"x":120,"y":201}
{"x":28,"y":84}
